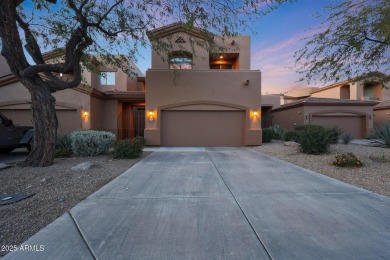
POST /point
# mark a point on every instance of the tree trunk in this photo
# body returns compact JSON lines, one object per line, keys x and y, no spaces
{"x":45,"y":126}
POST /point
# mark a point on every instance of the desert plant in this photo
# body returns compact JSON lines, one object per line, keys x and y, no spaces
{"x":268,"y":135}
{"x":379,"y":157}
{"x":314,"y":139}
{"x":62,"y":153}
{"x":64,"y":141}
{"x":347,"y":160}
{"x":381,"y":135}
{"x":129,"y":149}
{"x":90,"y":143}
{"x":291,"y":136}
{"x":278,"y":132}
{"x":346,"y":138}
{"x":335,"y":133}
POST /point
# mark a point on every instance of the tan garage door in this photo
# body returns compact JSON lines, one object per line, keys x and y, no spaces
{"x":202,"y":128}
{"x":354,"y":125}
{"x":68,"y":120}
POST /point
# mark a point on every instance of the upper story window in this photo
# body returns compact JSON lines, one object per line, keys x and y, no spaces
{"x":180,"y":60}
{"x":107,"y":78}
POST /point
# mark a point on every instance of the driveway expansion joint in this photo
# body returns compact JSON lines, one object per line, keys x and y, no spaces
{"x":93,"y":254}
{"x":242,"y":211}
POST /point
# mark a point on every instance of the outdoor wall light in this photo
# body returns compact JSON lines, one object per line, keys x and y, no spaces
{"x":246,"y":82}
{"x":86,"y":114}
{"x":255,"y":114}
{"x":151,"y":117}
{"x":307,"y":117}
{"x":371,"y":117}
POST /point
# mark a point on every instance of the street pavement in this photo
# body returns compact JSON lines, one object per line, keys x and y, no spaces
{"x":218,"y":203}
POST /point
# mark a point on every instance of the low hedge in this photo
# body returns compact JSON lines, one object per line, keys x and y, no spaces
{"x":91,"y":143}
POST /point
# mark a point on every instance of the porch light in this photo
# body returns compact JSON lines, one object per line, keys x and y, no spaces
{"x":86,"y":114}
{"x":151,"y":117}
{"x":255,"y":114}
{"x":221,"y":57}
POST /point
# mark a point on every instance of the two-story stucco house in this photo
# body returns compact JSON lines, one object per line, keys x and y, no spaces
{"x":191,"y":96}
{"x":200,"y":97}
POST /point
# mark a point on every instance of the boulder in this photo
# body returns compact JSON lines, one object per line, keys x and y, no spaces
{"x":83,"y":166}
{"x":291,"y":144}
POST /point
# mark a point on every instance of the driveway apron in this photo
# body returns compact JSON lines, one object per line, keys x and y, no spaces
{"x":219,"y":203}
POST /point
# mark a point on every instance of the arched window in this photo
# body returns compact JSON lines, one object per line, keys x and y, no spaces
{"x":180,"y":60}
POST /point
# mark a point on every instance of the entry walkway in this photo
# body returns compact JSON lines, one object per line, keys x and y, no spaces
{"x":219,"y":203}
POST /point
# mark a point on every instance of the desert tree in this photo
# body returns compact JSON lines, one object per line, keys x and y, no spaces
{"x":352,"y":42}
{"x":116,"y":30}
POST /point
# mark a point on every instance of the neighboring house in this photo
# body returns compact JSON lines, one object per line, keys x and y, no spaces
{"x":111,"y":101}
{"x":367,"y":89}
{"x":382,"y":113}
{"x":349,"y":105}
{"x":197,"y":97}
{"x":352,"y":116}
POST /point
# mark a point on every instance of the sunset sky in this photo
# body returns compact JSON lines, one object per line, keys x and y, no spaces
{"x":278,"y":36}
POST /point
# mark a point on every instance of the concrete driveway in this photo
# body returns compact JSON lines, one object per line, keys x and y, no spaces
{"x":219,"y":203}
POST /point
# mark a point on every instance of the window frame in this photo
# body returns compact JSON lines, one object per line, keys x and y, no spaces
{"x":106,"y":81}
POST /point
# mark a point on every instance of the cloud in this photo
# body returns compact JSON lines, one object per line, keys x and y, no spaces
{"x":277,"y":64}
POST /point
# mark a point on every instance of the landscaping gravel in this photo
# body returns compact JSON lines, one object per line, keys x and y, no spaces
{"x":57,"y":189}
{"x":373,"y":176}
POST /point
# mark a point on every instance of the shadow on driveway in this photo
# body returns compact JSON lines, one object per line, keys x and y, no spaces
{"x":16,"y":155}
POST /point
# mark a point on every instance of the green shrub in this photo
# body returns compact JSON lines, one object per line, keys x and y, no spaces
{"x":347,"y":160}
{"x":346,"y":138}
{"x":62,"y":153}
{"x":278,"y":132}
{"x":291,"y":136}
{"x":382,"y":135}
{"x":64,"y":141}
{"x":314,"y":139}
{"x":129,"y":149}
{"x":268,"y":135}
{"x":335,"y":133}
{"x":91,"y":143}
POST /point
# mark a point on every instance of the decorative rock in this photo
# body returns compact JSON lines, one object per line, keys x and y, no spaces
{"x":83,"y":166}
{"x":291,"y":144}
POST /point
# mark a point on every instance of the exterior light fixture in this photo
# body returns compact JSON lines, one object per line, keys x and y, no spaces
{"x":255,"y":114}
{"x":246,"y":82}
{"x":151,"y":117}
{"x":85,"y":114}
{"x":61,"y":75}
{"x":371,"y":116}
{"x":221,"y":57}
{"x":307,"y":117}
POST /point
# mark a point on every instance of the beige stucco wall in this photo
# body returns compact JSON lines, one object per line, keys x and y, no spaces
{"x":205,"y":87}
{"x":201,"y":55}
{"x":329,"y":93}
{"x":288,"y":118}
{"x":382,"y":116}
{"x":4,"y":68}
{"x":271,"y":100}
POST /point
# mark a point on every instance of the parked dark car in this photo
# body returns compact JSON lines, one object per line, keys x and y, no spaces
{"x":14,"y":136}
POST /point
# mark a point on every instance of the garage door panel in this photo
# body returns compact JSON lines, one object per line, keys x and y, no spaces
{"x":354,"y":125}
{"x":202,"y":128}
